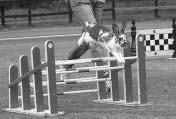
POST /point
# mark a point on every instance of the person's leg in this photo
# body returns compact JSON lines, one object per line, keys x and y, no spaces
{"x":98,"y":10}
{"x":77,"y":53}
{"x":87,"y":11}
{"x":84,"y":13}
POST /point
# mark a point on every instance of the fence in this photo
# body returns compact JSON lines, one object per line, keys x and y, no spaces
{"x":114,"y":6}
{"x":29,"y":14}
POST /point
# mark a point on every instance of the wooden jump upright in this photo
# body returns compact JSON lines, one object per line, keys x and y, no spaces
{"x":26,"y":84}
{"x":128,"y":99}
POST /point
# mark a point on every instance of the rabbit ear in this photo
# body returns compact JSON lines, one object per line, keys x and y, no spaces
{"x":123,"y":26}
{"x":115,"y":28}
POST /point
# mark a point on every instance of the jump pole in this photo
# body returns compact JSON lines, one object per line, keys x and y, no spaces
{"x":141,"y":70}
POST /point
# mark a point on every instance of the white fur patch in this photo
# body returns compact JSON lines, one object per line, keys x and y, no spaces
{"x":89,"y":25}
{"x":85,"y":38}
{"x":107,"y":40}
{"x":105,"y":34}
{"x":101,"y":32}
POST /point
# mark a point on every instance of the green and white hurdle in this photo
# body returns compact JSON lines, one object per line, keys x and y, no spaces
{"x":20,"y":100}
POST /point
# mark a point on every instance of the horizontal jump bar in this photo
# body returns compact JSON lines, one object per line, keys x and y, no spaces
{"x":91,"y":60}
{"x":81,"y":81}
{"x":87,"y":69}
{"x":70,"y":92}
{"x":77,"y":92}
{"x":75,"y":81}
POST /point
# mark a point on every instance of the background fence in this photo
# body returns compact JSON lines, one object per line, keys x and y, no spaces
{"x":11,"y":10}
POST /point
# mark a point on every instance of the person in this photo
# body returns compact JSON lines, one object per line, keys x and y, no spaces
{"x":85,"y":11}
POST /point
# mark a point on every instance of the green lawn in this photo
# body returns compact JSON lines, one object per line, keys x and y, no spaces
{"x":160,"y":83}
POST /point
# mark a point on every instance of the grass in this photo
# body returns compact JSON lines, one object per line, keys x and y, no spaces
{"x":160,"y":84}
{"x":160,"y":74}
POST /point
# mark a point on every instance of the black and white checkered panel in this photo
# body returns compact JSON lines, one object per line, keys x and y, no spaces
{"x":158,"y":42}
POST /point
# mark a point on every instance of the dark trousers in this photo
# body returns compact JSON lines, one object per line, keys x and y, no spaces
{"x":77,"y":53}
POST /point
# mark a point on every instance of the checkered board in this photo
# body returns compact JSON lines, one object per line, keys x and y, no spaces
{"x":158,"y":41}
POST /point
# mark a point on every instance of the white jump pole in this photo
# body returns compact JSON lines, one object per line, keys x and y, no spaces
{"x":91,"y":60}
{"x":141,"y":70}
